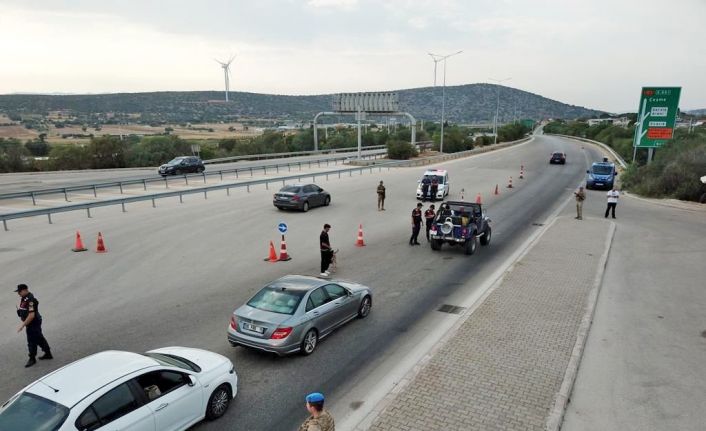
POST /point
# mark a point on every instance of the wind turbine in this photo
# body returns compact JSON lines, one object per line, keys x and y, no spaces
{"x":226,"y":73}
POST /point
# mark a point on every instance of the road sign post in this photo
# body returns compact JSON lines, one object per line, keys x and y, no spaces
{"x":282,"y":228}
{"x":656,"y":119}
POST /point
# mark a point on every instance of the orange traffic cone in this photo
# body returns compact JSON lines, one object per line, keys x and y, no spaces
{"x":283,"y":256}
{"x":100,"y":246}
{"x":509,"y":185}
{"x":478,"y":198}
{"x":273,"y":254}
{"x":360,"y":242}
{"x":463,"y":192}
{"x":79,"y":244}
{"x":497,"y":192}
{"x":522,"y":172}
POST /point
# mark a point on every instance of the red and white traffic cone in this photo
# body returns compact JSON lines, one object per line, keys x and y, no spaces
{"x":283,"y":256}
{"x":509,"y":184}
{"x":359,"y":242}
{"x":100,"y":245}
{"x":478,"y":198}
{"x":497,"y":192}
{"x":522,"y":172}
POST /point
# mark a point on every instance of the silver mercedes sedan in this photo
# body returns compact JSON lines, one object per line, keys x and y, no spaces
{"x":293,"y":313}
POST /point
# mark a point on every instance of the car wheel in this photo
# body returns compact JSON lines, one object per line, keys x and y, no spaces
{"x":218,"y":402}
{"x":200,"y":170}
{"x":485,"y":239}
{"x":327,"y":201}
{"x":471,"y":244}
{"x":309,"y":343}
{"x":305,"y":207}
{"x":435,"y":244}
{"x":365,"y":306}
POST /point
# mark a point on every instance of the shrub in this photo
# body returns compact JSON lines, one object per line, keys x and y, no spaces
{"x":400,"y":150}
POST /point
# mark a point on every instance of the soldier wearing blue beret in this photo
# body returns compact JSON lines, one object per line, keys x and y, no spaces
{"x":320,"y":419}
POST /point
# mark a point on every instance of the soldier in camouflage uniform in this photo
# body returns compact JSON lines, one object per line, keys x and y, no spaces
{"x":320,"y":419}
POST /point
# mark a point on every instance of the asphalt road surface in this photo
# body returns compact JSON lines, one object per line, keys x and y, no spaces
{"x":173,"y":275}
{"x":29,"y":181}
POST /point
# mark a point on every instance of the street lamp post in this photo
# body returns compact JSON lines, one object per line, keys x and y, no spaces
{"x":436,"y":59}
{"x":497,"y":107}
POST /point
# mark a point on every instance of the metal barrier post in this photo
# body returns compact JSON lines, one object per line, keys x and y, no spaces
{"x":277,"y":167}
{"x":205,"y":194}
{"x":49,"y":217}
{"x":4,"y":225}
{"x":264,"y":170}
{"x":166,"y":183}
{"x":88,"y":212}
{"x":228,"y":191}
{"x":66,"y":196}
{"x":121,"y":187}
{"x":95,"y":192}
{"x":251,"y":172}
{"x":144,"y":184}
{"x":339,"y":175}
{"x":221,"y":172}
{"x":123,"y":205}
{"x":326,"y":177}
{"x":300,"y":166}
{"x":33,"y":201}
{"x":181,"y":198}
{"x":236,"y":174}
{"x":153,"y":204}
{"x":267,"y":185}
{"x":186,"y":179}
{"x":248,"y":187}
{"x":204,"y":177}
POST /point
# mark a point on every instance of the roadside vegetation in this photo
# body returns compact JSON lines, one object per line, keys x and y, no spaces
{"x":675,"y":171}
{"x":106,"y":152}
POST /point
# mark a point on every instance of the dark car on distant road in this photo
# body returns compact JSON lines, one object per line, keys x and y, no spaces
{"x":182,"y":165}
{"x":301,"y":197}
{"x":558,"y":157}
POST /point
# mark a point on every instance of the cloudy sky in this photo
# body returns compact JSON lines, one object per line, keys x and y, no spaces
{"x":595,"y":53}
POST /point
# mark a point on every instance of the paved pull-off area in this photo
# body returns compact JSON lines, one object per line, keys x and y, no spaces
{"x":504,"y":365}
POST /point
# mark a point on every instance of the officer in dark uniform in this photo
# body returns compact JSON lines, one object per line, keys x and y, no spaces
{"x":429,"y":218}
{"x":416,"y":224}
{"x":434,"y":187}
{"x":28,"y":312}
{"x":425,"y":186}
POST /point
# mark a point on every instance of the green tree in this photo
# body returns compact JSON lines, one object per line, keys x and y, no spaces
{"x":64,"y":157}
{"x":37,"y":148}
{"x":108,"y":152}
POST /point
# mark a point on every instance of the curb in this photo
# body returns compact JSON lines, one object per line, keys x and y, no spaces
{"x":556,"y":415}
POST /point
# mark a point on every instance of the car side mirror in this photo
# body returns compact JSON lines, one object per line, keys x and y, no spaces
{"x":588,"y":172}
{"x":192,"y":380}
{"x":615,"y":173}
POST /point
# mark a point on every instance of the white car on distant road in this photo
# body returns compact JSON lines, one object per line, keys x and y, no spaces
{"x":441,"y":176}
{"x":165,"y":389}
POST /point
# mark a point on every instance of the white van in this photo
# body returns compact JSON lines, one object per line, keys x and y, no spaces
{"x":442,"y":177}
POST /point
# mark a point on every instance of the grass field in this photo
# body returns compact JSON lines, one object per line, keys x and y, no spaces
{"x":196,"y":131}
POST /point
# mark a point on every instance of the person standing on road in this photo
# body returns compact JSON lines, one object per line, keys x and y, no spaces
{"x":434,"y":188}
{"x":326,"y":250}
{"x":429,"y":218}
{"x":416,"y":224}
{"x":425,"y":187}
{"x":28,"y":312}
{"x":580,"y":197}
{"x":381,"y":197}
{"x":320,"y":419}
{"x":612,"y":197}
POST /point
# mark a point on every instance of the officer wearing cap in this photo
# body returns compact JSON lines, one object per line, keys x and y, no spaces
{"x":320,"y":419}
{"x":429,"y":215}
{"x":28,"y":312}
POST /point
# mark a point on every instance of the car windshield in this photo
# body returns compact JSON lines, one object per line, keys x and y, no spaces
{"x":277,"y":300}
{"x":558,"y":154}
{"x":32,"y":412}
{"x":290,"y":189}
{"x":602,"y":170}
{"x":174,"y":361}
{"x":175,"y":161}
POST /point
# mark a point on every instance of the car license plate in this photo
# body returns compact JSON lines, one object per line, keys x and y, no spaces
{"x":251,"y":327}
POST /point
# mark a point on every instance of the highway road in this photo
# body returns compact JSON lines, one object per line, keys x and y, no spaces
{"x":173,"y":275}
{"x":29,"y":181}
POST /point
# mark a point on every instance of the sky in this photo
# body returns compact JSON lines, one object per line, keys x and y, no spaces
{"x":592,"y":53}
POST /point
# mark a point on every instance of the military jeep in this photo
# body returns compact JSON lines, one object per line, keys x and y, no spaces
{"x":460,"y":223}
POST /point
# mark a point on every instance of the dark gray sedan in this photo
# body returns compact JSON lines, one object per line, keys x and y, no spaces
{"x":301,"y":197}
{"x":293,"y":313}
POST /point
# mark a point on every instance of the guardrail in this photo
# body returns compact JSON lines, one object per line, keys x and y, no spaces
{"x":615,"y":155}
{"x":144,"y":181}
{"x":266,"y":181}
{"x":290,"y":154}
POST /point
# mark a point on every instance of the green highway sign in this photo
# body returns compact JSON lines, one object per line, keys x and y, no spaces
{"x":657,"y":115}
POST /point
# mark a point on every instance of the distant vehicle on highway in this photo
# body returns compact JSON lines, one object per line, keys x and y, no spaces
{"x":293,"y":313}
{"x":464,"y":223}
{"x":301,"y":197}
{"x":442,"y":177}
{"x":182,"y":165}
{"x":601,"y":175}
{"x":165,"y":389}
{"x":558,"y":158}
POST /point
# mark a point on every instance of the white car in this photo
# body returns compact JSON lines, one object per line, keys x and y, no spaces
{"x":442,"y":178}
{"x":165,"y":389}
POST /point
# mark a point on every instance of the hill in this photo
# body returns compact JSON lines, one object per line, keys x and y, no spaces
{"x":464,"y":104}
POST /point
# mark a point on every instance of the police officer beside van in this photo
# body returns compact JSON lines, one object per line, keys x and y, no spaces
{"x":28,"y":312}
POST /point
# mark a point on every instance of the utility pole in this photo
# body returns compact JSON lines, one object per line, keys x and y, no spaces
{"x":437,"y":58}
{"x":497,"y":106}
